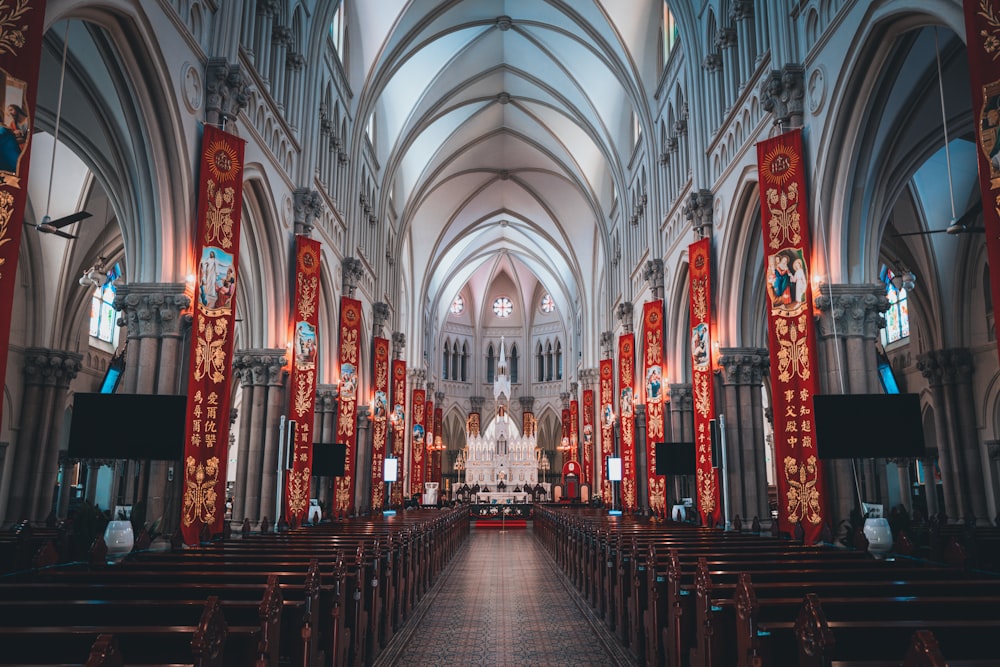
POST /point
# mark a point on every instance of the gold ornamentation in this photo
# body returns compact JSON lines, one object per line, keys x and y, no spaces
{"x":6,"y":211}
{"x":706,"y":491}
{"x":307,"y":295}
{"x":702,"y":394}
{"x":200,"y":480}
{"x":298,"y":491}
{"x":657,"y":493}
{"x":346,"y":421}
{"x":991,"y":37}
{"x":303,"y":392}
{"x":699,"y":302}
{"x":223,"y":163}
{"x":344,"y":495}
{"x":13,"y":26}
{"x":793,"y":357}
{"x":210,"y":357}
{"x":219,"y":215}
{"x":784,"y":227}
{"x":803,"y":496}
{"x":349,"y":344}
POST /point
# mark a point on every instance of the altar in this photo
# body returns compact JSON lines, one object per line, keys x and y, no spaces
{"x":502,"y":498}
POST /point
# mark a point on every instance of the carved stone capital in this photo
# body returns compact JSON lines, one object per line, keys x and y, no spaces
{"x":438,"y":398}
{"x":574,"y":390}
{"x":725,"y":38}
{"x":281,"y":35}
{"x":699,"y":210}
{"x":326,"y":397}
{"x":783,"y":94}
{"x":712,"y":63}
{"x":564,"y":397}
{"x":417,"y":377}
{"x":398,"y":344}
{"x":430,"y":388}
{"x":624,"y":313}
{"x":267,"y":7}
{"x":353,"y":272}
{"x":607,"y":344}
{"x":380,"y":315}
{"x":652,"y":273}
{"x":951,"y":366}
{"x":57,"y":368}
{"x":744,"y":365}
{"x":227,"y":91}
{"x":295,"y":61}
{"x":681,"y":396}
{"x":260,"y":366}
{"x":476,"y":403}
{"x":152,"y":309}
{"x":307,"y":207}
{"x":851,"y":310}
{"x":527,"y":403}
{"x":741,"y":10}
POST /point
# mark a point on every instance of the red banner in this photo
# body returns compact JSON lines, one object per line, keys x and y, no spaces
{"x":436,"y":460}
{"x":418,"y":444}
{"x":303,"y":376}
{"x":398,"y":426}
{"x":703,"y":390}
{"x":626,"y":401}
{"x":19,"y":59}
{"x":347,"y":416}
{"x":982,"y":29}
{"x":380,"y":419}
{"x":429,"y":447}
{"x":472,"y":424}
{"x":564,"y":436}
{"x":529,"y":424}
{"x":574,"y":428}
{"x":607,"y":428}
{"x":801,"y":496}
{"x":652,"y":372}
{"x":588,"y":435}
{"x":217,"y":247}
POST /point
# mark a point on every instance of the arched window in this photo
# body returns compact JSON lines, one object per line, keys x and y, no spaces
{"x":465,"y":362}
{"x":540,"y":358}
{"x":670,"y":34}
{"x":455,"y":357}
{"x":513,"y":363}
{"x":444,"y":360}
{"x":338,"y":30}
{"x":548,"y":362}
{"x":491,"y":363}
{"x":559,"y":361}
{"x":103,"y":317}
{"x":897,"y":318}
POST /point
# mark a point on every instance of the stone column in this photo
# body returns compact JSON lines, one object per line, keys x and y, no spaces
{"x":949,"y":374}
{"x":325,"y":428}
{"x":681,"y":428}
{"x":847,"y":326}
{"x":699,"y":211}
{"x":307,"y":207}
{"x":226,"y":91}
{"x":276,"y":377}
{"x":741,"y":13}
{"x":743,"y":373}
{"x":35,"y":455}
{"x":363,"y":467}
{"x":930,"y":485}
{"x":641,"y":460}
{"x":259,"y":370}
{"x":266,"y":10}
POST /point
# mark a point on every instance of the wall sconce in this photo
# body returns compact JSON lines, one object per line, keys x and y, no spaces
{"x":95,"y":275}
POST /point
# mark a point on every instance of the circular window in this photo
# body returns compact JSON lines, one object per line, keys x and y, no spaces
{"x":548,"y":304}
{"x":503,"y":307}
{"x":458,"y":305}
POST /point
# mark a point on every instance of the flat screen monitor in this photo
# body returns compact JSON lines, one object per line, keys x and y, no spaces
{"x":859,"y":426}
{"x":329,"y":459}
{"x":128,"y":426}
{"x":391,"y":470}
{"x":111,"y":378}
{"x":614,"y":469}
{"x":675,"y":458}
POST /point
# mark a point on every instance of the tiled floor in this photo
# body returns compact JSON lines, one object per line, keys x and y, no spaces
{"x":501,"y":602}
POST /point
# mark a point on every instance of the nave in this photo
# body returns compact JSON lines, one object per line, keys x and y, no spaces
{"x":501,"y":602}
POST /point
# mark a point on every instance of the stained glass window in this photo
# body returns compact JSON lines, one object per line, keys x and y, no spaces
{"x":503,"y":307}
{"x":548,"y":304}
{"x":103,"y":316}
{"x":458,"y":305}
{"x":670,"y":32}
{"x":897,"y":319}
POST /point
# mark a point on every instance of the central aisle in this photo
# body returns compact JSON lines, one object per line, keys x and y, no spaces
{"x":502,"y":603}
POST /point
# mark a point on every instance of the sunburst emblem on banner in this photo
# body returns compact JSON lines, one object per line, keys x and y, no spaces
{"x":223,"y":162}
{"x":781,"y":164}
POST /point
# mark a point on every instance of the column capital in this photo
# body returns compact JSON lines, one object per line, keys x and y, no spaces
{"x":152,"y":309}
{"x":51,"y":367}
{"x":744,"y":365}
{"x":607,"y":344}
{"x":398,"y":344}
{"x":652,"y":273}
{"x":527,"y":403}
{"x":227,"y":91}
{"x":306,"y":208}
{"x":625,"y":312}
{"x":417,"y":377}
{"x":380,"y":315}
{"x":851,"y":310}
{"x":699,"y":210}
{"x":260,"y":366}
{"x":476,"y":403}
{"x":783,"y":94}
{"x":681,"y":395}
{"x":353,"y":272}
{"x":951,"y":366}
{"x":438,"y":399}
{"x":564,"y":397}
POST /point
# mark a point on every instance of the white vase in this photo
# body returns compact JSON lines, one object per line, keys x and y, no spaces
{"x":119,"y":539}
{"x":879,"y":537}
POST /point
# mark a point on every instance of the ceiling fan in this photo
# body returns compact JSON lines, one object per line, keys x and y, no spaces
{"x":48,"y":225}
{"x":961,"y":225}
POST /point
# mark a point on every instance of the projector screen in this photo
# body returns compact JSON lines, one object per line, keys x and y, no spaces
{"x":860,"y":426}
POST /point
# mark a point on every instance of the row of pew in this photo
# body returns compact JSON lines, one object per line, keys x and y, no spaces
{"x":330,"y":594}
{"x":684,"y":596}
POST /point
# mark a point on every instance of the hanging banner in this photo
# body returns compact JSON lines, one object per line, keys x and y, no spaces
{"x":652,"y":372}
{"x":347,"y":415}
{"x":20,"y":52}
{"x":303,"y":377}
{"x":472,"y":424}
{"x":626,"y":401}
{"x":588,"y":435}
{"x":429,"y":447}
{"x":792,"y":335}
{"x":607,"y":428}
{"x":574,"y":430}
{"x":982,"y":30}
{"x":702,"y":382}
{"x":380,"y":419}
{"x":564,"y":436}
{"x":398,"y":425}
{"x":217,"y":247}
{"x":417,"y":444}
{"x":438,"y":434}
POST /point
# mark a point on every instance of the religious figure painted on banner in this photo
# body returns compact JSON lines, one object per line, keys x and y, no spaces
{"x":418,"y":434}
{"x":788,"y":280}
{"x":305,"y":345}
{"x":989,"y":129}
{"x":626,"y":402}
{"x":216,"y":279}
{"x":699,"y":345}
{"x":608,"y":414}
{"x":654,"y":384}
{"x":398,"y":414}
{"x":380,"y":405}
{"x":588,"y":434}
{"x":16,"y":125}
{"x":348,"y":382}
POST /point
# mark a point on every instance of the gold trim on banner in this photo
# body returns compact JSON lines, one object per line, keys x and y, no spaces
{"x":218,"y":216}
{"x":991,"y":41}
{"x":784,"y":227}
{"x":13,"y":26}
{"x":349,"y":345}
{"x":303,"y":392}
{"x":210,"y":355}
{"x":702,"y":394}
{"x":307,"y":295}
{"x":199,"y":490}
{"x":706,"y":484}
{"x":298,"y":491}
{"x":803,"y":496}
{"x":793,"y":357}
{"x":6,"y":211}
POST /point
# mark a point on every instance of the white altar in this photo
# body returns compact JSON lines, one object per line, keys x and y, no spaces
{"x":502,"y":498}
